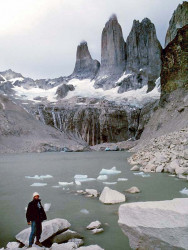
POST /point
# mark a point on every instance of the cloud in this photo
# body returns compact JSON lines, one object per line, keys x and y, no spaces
{"x":39,"y":37}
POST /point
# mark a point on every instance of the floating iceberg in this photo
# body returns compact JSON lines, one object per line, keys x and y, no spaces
{"x":84,"y":211}
{"x":102,"y":177}
{"x":47,"y":207}
{"x":57,"y":186}
{"x":39,"y":177}
{"x":142,"y":174}
{"x":80,"y":176}
{"x":172,"y":175}
{"x":65,"y":183}
{"x":109,"y":171}
{"x":184,"y":191}
{"x":122,"y":179}
{"x":78,"y":183}
{"x":37,"y":184}
{"x":110,"y":183}
{"x":84,"y":179}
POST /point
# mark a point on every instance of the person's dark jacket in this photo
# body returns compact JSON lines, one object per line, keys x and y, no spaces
{"x":33,"y":213}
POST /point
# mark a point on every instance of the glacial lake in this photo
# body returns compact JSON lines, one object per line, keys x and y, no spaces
{"x":16,"y":191}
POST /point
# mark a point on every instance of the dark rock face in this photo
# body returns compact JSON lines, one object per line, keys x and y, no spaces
{"x":63,"y":90}
{"x":178,"y":20}
{"x":85,"y":66}
{"x":175,"y":63}
{"x":9,"y":74}
{"x":144,"y":52}
{"x":113,"y":54}
{"x":97,"y":123}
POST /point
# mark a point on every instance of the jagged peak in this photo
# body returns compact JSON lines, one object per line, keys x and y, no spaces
{"x":113,"y":17}
{"x":146,"y":20}
{"x":83,"y":42}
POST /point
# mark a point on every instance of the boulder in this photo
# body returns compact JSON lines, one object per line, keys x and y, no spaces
{"x":78,"y":242}
{"x":110,"y":196}
{"x":133,"y":190}
{"x":91,"y":247}
{"x":135,"y":168}
{"x":156,"y":225}
{"x":159,"y":169}
{"x":49,"y":228}
{"x":92,"y":192}
{"x":13,"y":245}
{"x":65,"y":236}
{"x":185,"y":154}
{"x":94,"y":225}
{"x":64,"y":246}
{"x":97,"y":230}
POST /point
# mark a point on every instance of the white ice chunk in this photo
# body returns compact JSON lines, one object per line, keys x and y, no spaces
{"x":171,"y":175}
{"x":102,"y":177}
{"x":122,"y":179}
{"x":84,"y":211}
{"x":47,"y":207}
{"x":80,"y":176}
{"x":39,"y":177}
{"x":38,"y":184}
{"x":113,"y":170}
{"x":142,"y":174}
{"x":56,"y":186}
{"x":110,"y":183}
{"x":85,"y":179}
{"x":65,"y":183}
{"x":184,"y":191}
{"x":78,"y":183}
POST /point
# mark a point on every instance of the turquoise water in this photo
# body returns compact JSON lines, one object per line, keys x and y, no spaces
{"x":16,"y":192}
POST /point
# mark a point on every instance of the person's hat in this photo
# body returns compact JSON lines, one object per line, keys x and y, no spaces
{"x":35,"y":194}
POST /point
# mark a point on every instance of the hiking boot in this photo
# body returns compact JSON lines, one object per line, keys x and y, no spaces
{"x":30,"y":246}
{"x":38,"y":243}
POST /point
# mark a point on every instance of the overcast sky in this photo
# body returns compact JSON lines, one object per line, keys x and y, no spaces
{"x":38,"y":38}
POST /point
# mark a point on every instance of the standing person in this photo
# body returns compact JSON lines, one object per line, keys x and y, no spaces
{"x":35,"y":215}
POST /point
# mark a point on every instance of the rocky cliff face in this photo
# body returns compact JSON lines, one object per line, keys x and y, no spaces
{"x":85,"y":66}
{"x":144,"y":52}
{"x":178,"y":20}
{"x":175,"y":63}
{"x":113,"y":54}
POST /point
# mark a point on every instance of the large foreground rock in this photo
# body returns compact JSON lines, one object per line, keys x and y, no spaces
{"x":49,"y":228}
{"x":156,"y":225}
{"x":110,"y":196}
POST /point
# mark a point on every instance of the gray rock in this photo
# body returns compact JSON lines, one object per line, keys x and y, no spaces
{"x":64,"y":246}
{"x":78,"y":242}
{"x":49,"y":228}
{"x":143,"y":52}
{"x":94,"y":225}
{"x":109,"y":196}
{"x":135,"y":168}
{"x":133,"y":190}
{"x":97,"y":230}
{"x":185,"y":154}
{"x":178,"y":20}
{"x":155,"y":225}
{"x":91,"y":247}
{"x":65,"y":236}
{"x":85,"y":66}
{"x":113,"y":54}
{"x":63,"y":90}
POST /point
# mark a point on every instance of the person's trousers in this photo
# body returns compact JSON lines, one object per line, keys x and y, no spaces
{"x":36,"y":230}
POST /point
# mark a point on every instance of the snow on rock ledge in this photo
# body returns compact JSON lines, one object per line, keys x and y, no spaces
{"x":49,"y":228}
{"x":156,"y":225}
